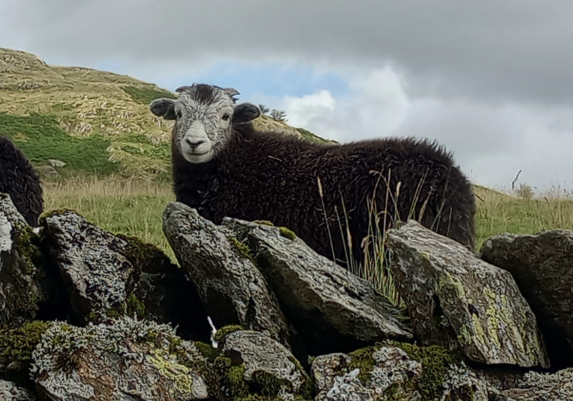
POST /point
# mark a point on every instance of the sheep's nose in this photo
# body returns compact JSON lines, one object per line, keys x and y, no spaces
{"x":194,"y":144}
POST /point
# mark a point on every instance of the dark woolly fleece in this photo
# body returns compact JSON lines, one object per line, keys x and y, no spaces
{"x":265,"y":176}
{"x":19,"y":180}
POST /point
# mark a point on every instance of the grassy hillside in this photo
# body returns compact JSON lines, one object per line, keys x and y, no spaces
{"x":96,"y":122}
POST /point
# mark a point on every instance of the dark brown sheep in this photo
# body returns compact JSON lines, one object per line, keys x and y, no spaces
{"x":19,"y":180}
{"x":323,"y":192}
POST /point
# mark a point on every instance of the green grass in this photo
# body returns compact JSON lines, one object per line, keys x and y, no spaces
{"x":40,"y":138}
{"x":312,"y":137}
{"x":118,"y":205}
{"x":146,"y":95}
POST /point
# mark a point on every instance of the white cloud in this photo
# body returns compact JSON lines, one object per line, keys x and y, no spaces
{"x":375,"y":105}
{"x":490,"y":142}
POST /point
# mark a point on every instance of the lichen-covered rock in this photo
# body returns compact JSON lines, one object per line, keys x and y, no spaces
{"x":123,"y":360}
{"x":108,"y":275}
{"x":11,"y":392}
{"x":332,"y":309}
{"x":232,"y":289}
{"x":541,"y":265}
{"x":253,"y":364}
{"x":455,"y":298}
{"x":21,"y":290}
{"x":394,"y":371}
{"x":542,"y":387}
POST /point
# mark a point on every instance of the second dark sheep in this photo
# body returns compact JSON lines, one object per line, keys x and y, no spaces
{"x":19,"y":180}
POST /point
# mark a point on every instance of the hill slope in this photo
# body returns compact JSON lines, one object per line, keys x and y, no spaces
{"x":94,"y":121}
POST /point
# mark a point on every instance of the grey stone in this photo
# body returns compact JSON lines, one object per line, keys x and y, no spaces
{"x":542,"y":266}
{"x":456,"y":299}
{"x":542,"y":387}
{"x":11,"y":392}
{"x":263,"y":361}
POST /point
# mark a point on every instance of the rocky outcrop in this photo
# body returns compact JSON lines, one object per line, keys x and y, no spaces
{"x":253,"y":364}
{"x":541,"y":265}
{"x":107,"y":275}
{"x":138,"y":327}
{"x":231,"y":287}
{"x":459,"y":301}
{"x":334,"y":310}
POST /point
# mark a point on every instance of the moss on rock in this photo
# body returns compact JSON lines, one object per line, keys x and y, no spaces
{"x":285,"y":232}
{"x":225,"y":331}
{"x":17,"y":345}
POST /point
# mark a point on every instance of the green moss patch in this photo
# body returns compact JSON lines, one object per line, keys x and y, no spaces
{"x":40,"y":138}
{"x":17,"y":345}
{"x":285,"y":232}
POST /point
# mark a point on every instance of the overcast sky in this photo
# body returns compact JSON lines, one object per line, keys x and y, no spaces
{"x":493,"y":81}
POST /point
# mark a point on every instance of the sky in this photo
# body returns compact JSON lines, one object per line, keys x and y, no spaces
{"x":492,"y":81}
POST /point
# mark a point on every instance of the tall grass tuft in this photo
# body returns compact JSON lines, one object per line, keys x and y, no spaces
{"x":374,"y":267}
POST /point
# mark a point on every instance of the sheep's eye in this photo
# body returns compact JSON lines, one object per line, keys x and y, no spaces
{"x":226,"y":117}
{"x":179,"y":114}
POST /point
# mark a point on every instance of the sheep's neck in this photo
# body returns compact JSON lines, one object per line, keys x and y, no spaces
{"x":194,"y":184}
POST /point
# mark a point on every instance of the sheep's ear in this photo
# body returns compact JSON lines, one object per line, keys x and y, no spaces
{"x":245,"y":113}
{"x":231,"y":91}
{"x":163,"y":108}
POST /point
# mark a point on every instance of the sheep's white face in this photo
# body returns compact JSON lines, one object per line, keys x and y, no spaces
{"x":204,"y":115}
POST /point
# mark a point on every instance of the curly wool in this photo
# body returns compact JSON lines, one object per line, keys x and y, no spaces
{"x":19,"y":180}
{"x":267,"y":176}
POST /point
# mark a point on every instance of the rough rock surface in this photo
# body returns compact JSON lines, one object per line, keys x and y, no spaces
{"x":125,"y":360}
{"x":542,"y":387}
{"x":332,"y":309}
{"x":107,"y":275}
{"x":11,"y":392}
{"x":232,"y":289}
{"x":258,"y":365}
{"x":454,"y":298}
{"x":20,"y":289}
{"x":389,"y":372}
{"x":542,"y":267}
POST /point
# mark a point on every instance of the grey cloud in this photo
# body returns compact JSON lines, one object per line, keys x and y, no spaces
{"x":516,"y":50}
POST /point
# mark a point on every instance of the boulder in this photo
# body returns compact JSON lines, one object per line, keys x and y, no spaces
{"x":457,"y":300}
{"x":332,"y":309}
{"x":541,"y":265}
{"x":542,"y":386}
{"x":252,"y":364}
{"x":107,"y":275}
{"x":394,"y":371}
{"x":11,"y":392}
{"x":123,"y":360}
{"x":233,"y":291}
{"x":21,"y":290}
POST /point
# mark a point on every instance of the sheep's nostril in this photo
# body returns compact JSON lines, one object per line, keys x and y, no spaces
{"x":194,"y":144}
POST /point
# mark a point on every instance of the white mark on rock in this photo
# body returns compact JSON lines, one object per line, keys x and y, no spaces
{"x":5,"y":234}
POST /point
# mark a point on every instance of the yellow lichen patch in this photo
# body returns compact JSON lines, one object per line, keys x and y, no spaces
{"x":168,"y":366}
